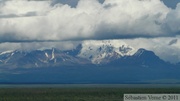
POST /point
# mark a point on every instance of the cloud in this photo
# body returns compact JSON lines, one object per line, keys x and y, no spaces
{"x":172,"y":21}
{"x":161,"y":47}
{"x":28,"y":14}
{"x":28,"y":46}
{"x":30,"y":20}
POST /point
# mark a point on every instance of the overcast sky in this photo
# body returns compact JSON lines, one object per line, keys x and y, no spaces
{"x":34,"y":24}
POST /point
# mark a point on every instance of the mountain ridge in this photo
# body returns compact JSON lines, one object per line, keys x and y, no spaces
{"x":83,"y":54}
{"x":94,"y":63}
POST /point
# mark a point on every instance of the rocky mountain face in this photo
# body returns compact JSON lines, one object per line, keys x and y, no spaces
{"x":88,"y":53}
{"x":40,"y":58}
{"x":142,"y":58}
{"x":95,"y":62}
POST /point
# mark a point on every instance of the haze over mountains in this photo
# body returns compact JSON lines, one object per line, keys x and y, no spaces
{"x":88,"y":53}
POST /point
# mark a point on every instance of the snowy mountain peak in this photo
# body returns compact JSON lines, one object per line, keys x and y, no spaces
{"x":88,"y":53}
{"x":103,"y":51}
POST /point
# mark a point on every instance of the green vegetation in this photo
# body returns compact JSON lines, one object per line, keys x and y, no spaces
{"x":75,"y":94}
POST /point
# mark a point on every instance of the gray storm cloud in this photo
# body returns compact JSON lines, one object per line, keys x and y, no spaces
{"x":31,"y":20}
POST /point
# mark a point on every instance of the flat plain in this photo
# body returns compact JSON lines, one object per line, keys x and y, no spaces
{"x":77,"y":94}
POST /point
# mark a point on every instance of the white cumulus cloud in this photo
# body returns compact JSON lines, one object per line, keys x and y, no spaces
{"x":26,"y":20}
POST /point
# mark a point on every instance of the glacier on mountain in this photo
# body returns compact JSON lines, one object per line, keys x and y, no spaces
{"x":102,"y":51}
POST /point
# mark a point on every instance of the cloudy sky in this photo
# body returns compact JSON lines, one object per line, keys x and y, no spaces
{"x":37,"y":24}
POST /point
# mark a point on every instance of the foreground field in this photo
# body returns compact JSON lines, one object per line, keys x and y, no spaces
{"x":75,"y":94}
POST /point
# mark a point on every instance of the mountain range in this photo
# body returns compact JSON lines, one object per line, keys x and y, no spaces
{"x":107,"y":61}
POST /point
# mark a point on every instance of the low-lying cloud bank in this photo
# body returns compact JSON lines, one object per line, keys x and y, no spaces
{"x":30,"y":20}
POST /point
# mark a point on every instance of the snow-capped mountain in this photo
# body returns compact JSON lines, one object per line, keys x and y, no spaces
{"x":39,"y":58}
{"x":101,"y":52}
{"x":119,"y":62}
{"x":108,"y":52}
{"x":142,"y":58}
